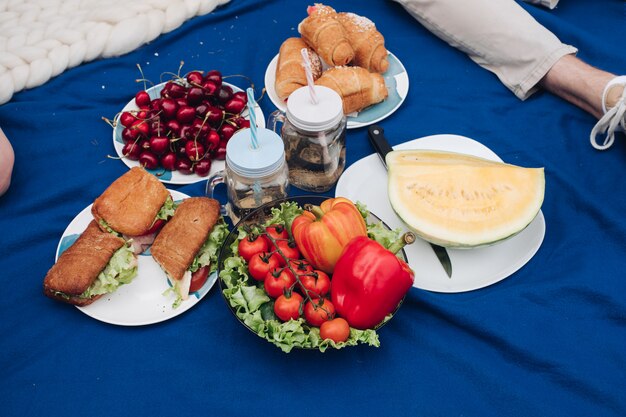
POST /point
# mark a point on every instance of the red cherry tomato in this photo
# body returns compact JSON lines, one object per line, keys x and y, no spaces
{"x":276,"y":232}
{"x":262,"y":263}
{"x":251,"y":245}
{"x":287,"y":249}
{"x":198,"y":278}
{"x":288,"y":307}
{"x":300,"y":267}
{"x":277,"y":281}
{"x":317,"y":283}
{"x":318,"y":310}
{"x":336,"y":329}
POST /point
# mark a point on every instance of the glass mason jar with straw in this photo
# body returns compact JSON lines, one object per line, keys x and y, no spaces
{"x":255,"y":172}
{"x":314,"y":134}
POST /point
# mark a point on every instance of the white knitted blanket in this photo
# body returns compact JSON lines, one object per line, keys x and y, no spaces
{"x":39,"y":39}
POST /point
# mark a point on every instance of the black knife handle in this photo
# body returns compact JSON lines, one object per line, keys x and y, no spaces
{"x":379,"y":142}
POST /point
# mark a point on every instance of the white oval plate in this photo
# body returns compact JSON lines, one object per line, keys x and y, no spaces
{"x":396,"y":80}
{"x":140,"y":302}
{"x":174,"y":177}
{"x":366,"y":181}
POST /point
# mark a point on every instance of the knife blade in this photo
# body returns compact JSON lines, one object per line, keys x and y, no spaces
{"x":380,"y":144}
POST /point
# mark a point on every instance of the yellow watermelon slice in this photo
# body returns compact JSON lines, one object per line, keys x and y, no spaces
{"x":462,"y":201}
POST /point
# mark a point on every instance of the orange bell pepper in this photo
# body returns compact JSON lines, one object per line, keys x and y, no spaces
{"x":321,"y":232}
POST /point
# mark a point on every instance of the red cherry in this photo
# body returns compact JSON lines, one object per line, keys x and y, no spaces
{"x":129,"y":135}
{"x":203,"y":167}
{"x":227,"y":131}
{"x":214,"y":115}
{"x":241,"y":95}
{"x":148,"y":160}
{"x":169,"y":108}
{"x":142,"y":99}
{"x":212,"y":139}
{"x":183,"y":165}
{"x":186,"y":132}
{"x":155,"y":104}
{"x":195,"y":78}
{"x":195,"y":95}
{"x":142,"y":127}
{"x":210,"y":88}
{"x":168,"y":161}
{"x":159,"y":144}
{"x":127,"y":119}
{"x":173,"y":126}
{"x":131,"y":151}
{"x":220,"y":153}
{"x":225,"y":93}
{"x":234,"y":106}
{"x":185,"y":114}
{"x":202,"y":109}
{"x":176,"y":90}
{"x":214,"y":76}
{"x":194,"y":150}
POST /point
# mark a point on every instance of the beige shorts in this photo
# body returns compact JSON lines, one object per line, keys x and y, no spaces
{"x":498,"y":35}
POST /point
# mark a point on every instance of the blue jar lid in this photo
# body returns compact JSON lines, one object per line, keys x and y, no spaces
{"x":248,"y":162}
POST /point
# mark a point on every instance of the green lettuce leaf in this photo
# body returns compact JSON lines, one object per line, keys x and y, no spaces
{"x":210,"y":249}
{"x":168,"y":209}
{"x":120,"y":270}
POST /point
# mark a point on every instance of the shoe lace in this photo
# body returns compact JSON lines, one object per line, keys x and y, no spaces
{"x":613,"y":118}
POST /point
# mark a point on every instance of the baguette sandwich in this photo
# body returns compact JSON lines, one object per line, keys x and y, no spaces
{"x":187,"y":246}
{"x":134,"y":206}
{"x":97,"y":263}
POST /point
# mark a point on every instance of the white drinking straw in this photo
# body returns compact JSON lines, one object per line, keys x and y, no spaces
{"x":309,"y":74}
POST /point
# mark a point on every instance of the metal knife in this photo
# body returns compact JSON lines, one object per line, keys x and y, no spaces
{"x":382,"y":147}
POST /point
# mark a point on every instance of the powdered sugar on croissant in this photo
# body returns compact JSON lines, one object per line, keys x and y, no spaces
{"x":323,"y":32}
{"x":368,"y":43}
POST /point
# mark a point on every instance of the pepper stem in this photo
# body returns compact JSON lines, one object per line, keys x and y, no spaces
{"x":316,"y":210}
{"x":406,"y":239}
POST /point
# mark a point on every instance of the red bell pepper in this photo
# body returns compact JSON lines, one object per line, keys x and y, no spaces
{"x":323,"y":231}
{"x":370,"y":281}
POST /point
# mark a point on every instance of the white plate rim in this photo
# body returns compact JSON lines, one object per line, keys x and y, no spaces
{"x":530,"y":238}
{"x":402,"y":88}
{"x":177,"y":178}
{"x":163,"y":312}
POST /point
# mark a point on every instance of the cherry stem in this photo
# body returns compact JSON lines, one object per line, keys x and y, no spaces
{"x":293,"y":271}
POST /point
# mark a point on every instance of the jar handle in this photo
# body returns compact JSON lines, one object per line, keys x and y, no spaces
{"x":274,"y":118}
{"x":212,"y":182}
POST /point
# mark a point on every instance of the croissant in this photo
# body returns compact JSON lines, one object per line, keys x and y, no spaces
{"x":368,"y":43}
{"x":290,"y":73}
{"x":322,"y":31}
{"x":357,"y":86}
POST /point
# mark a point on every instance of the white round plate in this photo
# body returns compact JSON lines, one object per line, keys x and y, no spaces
{"x":140,"y":302}
{"x":366,"y":181}
{"x":174,"y":177}
{"x":396,"y":80}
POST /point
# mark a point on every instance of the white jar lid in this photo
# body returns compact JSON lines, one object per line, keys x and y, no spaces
{"x":304,"y":114}
{"x":248,"y":162}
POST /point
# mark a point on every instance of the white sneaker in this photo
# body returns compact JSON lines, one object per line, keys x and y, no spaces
{"x":614,"y":119}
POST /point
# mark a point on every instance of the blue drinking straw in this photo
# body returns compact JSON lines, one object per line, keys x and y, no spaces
{"x":252,"y":114}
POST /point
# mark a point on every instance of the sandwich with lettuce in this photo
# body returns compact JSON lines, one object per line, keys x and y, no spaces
{"x":97,"y":263}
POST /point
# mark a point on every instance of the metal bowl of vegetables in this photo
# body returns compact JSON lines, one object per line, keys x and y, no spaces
{"x":283,"y":276}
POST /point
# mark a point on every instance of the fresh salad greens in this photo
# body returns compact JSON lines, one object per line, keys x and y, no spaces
{"x":121,"y":269}
{"x":254,"y":307}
